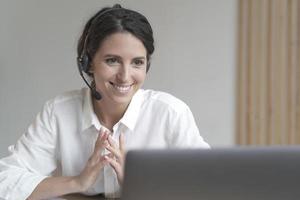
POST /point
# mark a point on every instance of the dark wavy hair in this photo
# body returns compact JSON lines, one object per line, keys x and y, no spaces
{"x":110,"y":20}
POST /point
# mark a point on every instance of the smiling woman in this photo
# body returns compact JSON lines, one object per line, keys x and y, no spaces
{"x":82,"y":136}
{"x":119,"y":69}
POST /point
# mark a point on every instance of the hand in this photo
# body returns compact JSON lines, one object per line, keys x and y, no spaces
{"x":116,"y":158}
{"x":95,"y":163}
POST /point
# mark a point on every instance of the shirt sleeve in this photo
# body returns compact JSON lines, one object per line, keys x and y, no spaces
{"x":184,"y":132}
{"x":31,"y":159}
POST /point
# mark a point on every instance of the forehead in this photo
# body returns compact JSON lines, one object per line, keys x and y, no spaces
{"x":123,"y":44}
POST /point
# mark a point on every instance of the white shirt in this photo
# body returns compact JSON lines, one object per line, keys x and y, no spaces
{"x":62,"y":139}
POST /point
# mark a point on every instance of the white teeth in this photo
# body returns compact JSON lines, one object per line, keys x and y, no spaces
{"x":122,"y":89}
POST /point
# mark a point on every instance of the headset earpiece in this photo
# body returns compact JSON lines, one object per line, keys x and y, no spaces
{"x":85,"y":63}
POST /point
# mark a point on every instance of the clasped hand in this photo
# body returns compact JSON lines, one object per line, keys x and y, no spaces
{"x":115,"y":158}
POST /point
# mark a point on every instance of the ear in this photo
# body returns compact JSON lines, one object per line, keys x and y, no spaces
{"x":91,"y":68}
{"x":148,"y":65}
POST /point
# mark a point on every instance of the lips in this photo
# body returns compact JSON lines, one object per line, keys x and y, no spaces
{"x":121,"y":87}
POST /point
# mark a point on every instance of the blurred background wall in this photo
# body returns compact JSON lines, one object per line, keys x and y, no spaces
{"x":194,"y":58}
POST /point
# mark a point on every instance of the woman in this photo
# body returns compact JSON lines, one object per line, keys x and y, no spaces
{"x":77,"y":143}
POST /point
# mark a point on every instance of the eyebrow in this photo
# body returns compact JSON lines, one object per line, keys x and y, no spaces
{"x":119,"y":57}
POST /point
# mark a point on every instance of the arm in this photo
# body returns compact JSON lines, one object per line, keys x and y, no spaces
{"x":55,"y":186}
{"x":58,"y":186}
{"x":184,"y":132}
{"x":31,"y":160}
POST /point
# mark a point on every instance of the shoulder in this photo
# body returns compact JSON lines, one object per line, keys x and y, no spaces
{"x":164,"y":100}
{"x":68,"y":99}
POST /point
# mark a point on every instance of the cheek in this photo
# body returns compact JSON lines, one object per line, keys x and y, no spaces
{"x":103,"y":73}
{"x":140,"y":77}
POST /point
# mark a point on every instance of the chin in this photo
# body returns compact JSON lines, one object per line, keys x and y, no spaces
{"x":122,"y":100}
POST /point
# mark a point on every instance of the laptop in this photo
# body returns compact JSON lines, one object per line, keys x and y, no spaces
{"x":265,"y":173}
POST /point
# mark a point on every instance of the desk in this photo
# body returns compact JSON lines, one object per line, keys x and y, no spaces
{"x":81,"y":197}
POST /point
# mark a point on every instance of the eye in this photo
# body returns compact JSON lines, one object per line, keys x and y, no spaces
{"x":138,"y":62}
{"x":112,"y":61}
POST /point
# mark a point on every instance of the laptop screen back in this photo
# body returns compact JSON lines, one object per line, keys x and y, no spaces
{"x":271,"y":173}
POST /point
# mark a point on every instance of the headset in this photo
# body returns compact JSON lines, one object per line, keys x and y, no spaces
{"x":83,"y":59}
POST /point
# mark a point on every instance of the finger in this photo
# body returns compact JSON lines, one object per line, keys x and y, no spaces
{"x":114,"y":151}
{"x":94,"y":159}
{"x":117,"y":168}
{"x":103,"y":160}
{"x":112,"y":142}
{"x":115,"y":165}
{"x":113,"y":147}
{"x":111,"y":155}
{"x":100,"y":142}
{"x":102,"y":136}
{"x":98,"y":165}
{"x":99,"y":145}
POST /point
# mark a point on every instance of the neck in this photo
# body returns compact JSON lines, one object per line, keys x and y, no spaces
{"x":108,"y":114}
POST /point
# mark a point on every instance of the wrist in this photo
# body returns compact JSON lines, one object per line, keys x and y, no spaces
{"x":75,"y":184}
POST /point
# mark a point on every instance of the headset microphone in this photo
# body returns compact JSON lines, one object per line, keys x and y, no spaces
{"x":96,"y":94}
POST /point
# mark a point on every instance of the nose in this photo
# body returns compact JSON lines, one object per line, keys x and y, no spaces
{"x":123,"y":73}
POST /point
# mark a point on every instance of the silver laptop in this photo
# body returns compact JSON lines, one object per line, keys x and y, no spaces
{"x":270,"y":173}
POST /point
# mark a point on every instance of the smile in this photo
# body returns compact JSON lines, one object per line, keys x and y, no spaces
{"x":121,"y":88}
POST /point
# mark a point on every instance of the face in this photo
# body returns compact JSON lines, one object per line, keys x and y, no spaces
{"x":119,"y":67}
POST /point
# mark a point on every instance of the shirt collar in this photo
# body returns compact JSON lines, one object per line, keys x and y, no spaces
{"x":131,"y":115}
{"x":88,"y":113}
{"x":129,"y":118}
